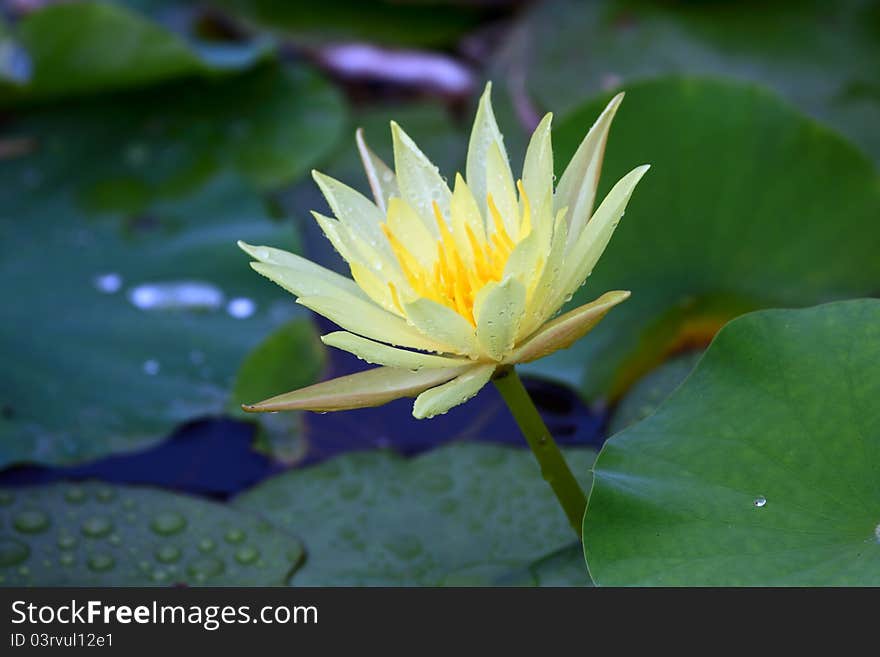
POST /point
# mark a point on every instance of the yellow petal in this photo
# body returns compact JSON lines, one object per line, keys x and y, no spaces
{"x":419,"y":181}
{"x":590,"y":244}
{"x":484,"y":135}
{"x":466,"y":216}
{"x":565,"y":330}
{"x":271,"y":256}
{"x":354,"y":210}
{"x":437,"y":401}
{"x":371,"y":388}
{"x":383,"y":182}
{"x":537,"y":175}
{"x":367,"y":319}
{"x":502,"y":189}
{"x":381,"y":354}
{"x":540,"y":304}
{"x":444,"y":325}
{"x":577,"y":186}
{"x":409,"y":228}
{"x":366,"y":262}
{"x":498,"y":309}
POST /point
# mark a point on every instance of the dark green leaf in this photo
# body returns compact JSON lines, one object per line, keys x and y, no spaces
{"x":464,"y":514}
{"x":731,"y":218}
{"x":762,"y":469}
{"x":100,"y":535}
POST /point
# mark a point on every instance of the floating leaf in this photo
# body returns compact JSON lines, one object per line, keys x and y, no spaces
{"x":112,"y":47}
{"x":729,"y":219}
{"x":762,"y":469}
{"x":120,"y":332}
{"x":100,"y":535}
{"x":465,"y":514}
{"x":434,"y":23}
{"x":819,"y":55}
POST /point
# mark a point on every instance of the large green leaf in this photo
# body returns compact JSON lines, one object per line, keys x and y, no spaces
{"x":86,"y":369}
{"x":763,"y":468}
{"x":123,"y":201}
{"x":821,"y":56}
{"x":433,"y":23}
{"x":270,"y":125}
{"x":99,"y":535}
{"x":747,"y":205}
{"x":465,"y":514}
{"x":84,"y":47}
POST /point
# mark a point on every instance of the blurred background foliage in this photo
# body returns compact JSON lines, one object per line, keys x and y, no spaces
{"x":140,"y":139}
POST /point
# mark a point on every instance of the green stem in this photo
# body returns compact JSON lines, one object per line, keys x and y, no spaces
{"x":554,"y":469}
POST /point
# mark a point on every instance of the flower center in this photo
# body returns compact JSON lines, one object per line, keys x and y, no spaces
{"x":461,"y":268}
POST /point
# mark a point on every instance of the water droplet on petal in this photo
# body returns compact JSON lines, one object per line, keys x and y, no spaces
{"x":760,"y":501}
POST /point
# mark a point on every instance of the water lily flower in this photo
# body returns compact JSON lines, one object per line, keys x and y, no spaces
{"x":451,"y":287}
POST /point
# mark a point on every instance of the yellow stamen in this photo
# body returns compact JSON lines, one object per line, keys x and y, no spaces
{"x":448,"y":280}
{"x":394,"y":298}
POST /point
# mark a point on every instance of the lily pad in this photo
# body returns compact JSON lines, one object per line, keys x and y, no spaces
{"x":433,"y":23}
{"x":100,"y":535}
{"x":123,"y":328}
{"x":271,"y":126}
{"x":730,"y":219}
{"x":465,"y":514}
{"x":650,"y":391}
{"x":113,"y":47}
{"x":762,"y":469}
{"x":820,"y":56}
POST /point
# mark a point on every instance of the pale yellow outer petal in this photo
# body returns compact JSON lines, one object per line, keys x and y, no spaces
{"x":565,"y":330}
{"x":410,"y":229}
{"x":383,"y":182}
{"x":272,"y":256}
{"x":371,"y":268}
{"x":498,"y":309}
{"x":577,"y":186}
{"x":590,"y":244}
{"x":419,"y":180}
{"x":354,"y":210}
{"x":437,"y":401}
{"x":466,"y":215}
{"x":537,"y":175}
{"x":540,"y":304}
{"x":371,"y":388}
{"x":381,"y":354}
{"x":444,"y":325}
{"x":484,"y":135}
{"x":500,"y":184}
{"x":367,"y":319}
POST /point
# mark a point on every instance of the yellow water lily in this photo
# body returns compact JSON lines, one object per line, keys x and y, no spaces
{"x":448,"y":286}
